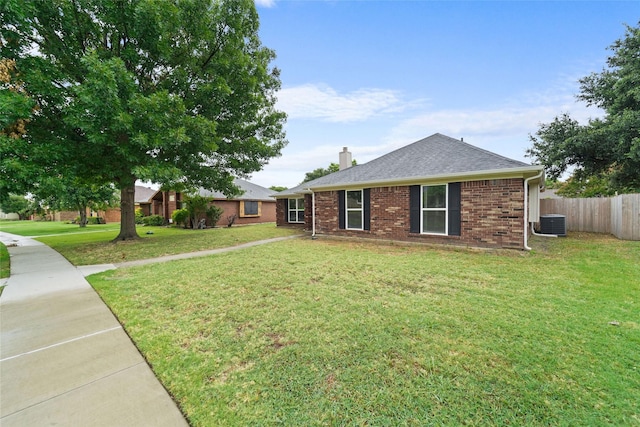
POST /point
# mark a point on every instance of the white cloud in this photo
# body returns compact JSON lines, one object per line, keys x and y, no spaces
{"x":265,"y":3}
{"x":322,"y":102}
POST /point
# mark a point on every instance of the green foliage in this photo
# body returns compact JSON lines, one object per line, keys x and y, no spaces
{"x":197,"y":207}
{"x":163,"y":91}
{"x":593,"y":186}
{"x":180,"y":216}
{"x":153,"y":220}
{"x":606,"y":149}
{"x":213,"y":214}
{"x":19,"y":205}
{"x":72,"y":193}
{"x":139,"y":216}
{"x":277,"y":188}
{"x":91,"y":220}
{"x":320,"y":172}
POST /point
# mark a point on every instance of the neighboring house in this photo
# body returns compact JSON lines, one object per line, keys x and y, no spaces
{"x":254,"y":205}
{"x":436,"y":190}
{"x":143,"y":200}
{"x":10,"y":215}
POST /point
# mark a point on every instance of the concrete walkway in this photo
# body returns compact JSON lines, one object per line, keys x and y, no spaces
{"x":64,"y":358}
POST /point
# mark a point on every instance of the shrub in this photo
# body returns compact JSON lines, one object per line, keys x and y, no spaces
{"x":213,"y":215}
{"x":153,"y":220}
{"x":180,"y":216}
{"x":91,"y":220}
{"x":139,"y":216}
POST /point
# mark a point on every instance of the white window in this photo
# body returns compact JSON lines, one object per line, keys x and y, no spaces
{"x":434,"y":209}
{"x":354,"y":210}
{"x":296,"y":210}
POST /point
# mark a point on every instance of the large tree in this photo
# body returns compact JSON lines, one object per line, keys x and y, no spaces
{"x":607,"y":148}
{"x":173,"y":92}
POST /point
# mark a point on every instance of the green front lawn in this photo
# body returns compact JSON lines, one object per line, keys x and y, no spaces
{"x":97,"y":248}
{"x":45,"y":228}
{"x":327,"y":332}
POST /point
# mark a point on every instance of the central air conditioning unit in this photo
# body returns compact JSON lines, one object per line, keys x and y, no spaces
{"x":553,"y":224}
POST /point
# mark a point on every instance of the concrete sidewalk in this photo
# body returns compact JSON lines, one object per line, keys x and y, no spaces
{"x":64,"y":358}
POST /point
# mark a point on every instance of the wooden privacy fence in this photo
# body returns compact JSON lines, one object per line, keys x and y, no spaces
{"x":618,"y":215}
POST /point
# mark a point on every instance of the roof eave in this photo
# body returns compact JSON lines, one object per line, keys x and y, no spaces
{"x":519,"y":172}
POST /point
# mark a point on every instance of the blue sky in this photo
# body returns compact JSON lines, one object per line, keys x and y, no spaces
{"x":378,"y":75}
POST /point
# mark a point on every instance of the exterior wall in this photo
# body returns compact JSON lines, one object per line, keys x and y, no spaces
{"x":232,"y":207}
{"x":282,"y":217}
{"x":492,"y":215}
{"x":110,"y":215}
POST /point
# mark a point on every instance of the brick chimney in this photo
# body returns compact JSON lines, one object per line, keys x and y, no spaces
{"x":345,"y":158}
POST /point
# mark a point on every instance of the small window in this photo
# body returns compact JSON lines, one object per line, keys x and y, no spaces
{"x":434,"y":209}
{"x":249,"y":208}
{"x":354,"y":210}
{"x":296,"y":210}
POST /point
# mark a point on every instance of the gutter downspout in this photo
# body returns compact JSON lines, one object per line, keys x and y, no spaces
{"x":313,"y":214}
{"x":526,"y":208}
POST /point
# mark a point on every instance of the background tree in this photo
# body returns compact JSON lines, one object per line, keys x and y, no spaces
{"x":277,"y":188}
{"x":15,"y":108}
{"x":19,"y":205}
{"x":317,"y":173}
{"x":162,"y":91}
{"x":607,"y":148}
{"x":61,"y":193}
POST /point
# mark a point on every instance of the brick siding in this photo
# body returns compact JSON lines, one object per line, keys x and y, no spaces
{"x":492,"y":215}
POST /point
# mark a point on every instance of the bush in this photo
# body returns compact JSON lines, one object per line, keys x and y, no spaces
{"x":180,"y":216}
{"x":91,"y":220}
{"x":139,"y":216}
{"x":153,"y":220}
{"x":213,"y":215}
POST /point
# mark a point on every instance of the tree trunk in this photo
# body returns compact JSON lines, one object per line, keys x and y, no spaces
{"x":127,"y":213}
{"x":83,"y":217}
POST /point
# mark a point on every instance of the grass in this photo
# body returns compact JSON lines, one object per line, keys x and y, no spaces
{"x":86,"y":248}
{"x":44,"y":228}
{"x":339,"y":333}
{"x":5,"y":262}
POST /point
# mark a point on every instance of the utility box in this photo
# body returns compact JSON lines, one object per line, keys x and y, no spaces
{"x":553,"y":224}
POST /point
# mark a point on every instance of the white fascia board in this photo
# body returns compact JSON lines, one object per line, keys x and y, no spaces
{"x":522,"y":172}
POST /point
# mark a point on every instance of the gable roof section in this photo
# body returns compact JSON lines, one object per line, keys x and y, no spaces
{"x":143,"y":194}
{"x":432,"y":157}
{"x":250,"y":192}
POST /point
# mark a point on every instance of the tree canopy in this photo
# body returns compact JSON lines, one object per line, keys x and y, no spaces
{"x":176,"y":93}
{"x":317,"y":173}
{"x":606,"y":149}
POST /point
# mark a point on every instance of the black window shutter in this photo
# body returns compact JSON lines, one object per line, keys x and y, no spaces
{"x":366,"y":206}
{"x":285,"y":203}
{"x":341,"y":209}
{"x":453,"y":206}
{"x":414,"y":209}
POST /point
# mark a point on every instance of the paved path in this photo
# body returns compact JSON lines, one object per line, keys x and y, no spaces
{"x":64,"y":358}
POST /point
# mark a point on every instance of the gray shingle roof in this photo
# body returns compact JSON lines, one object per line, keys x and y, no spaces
{"x":143,"y":194}
{"x":436,"y":155}
{"x":251,"y":192}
